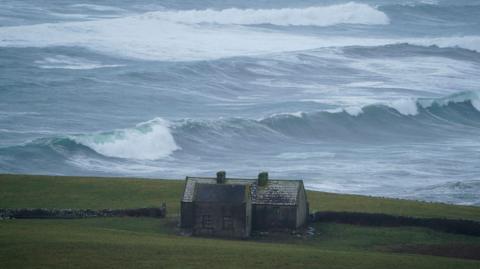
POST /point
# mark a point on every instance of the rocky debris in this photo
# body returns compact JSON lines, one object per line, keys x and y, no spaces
{"x":185,"y":232}
{"x":304,"y":233}
{"x":264,"y":233}
{"x":310,"y":231}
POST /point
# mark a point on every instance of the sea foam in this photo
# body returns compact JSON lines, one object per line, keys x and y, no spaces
{"x":407,"y":107}
{"x":349,"y":13}
{"x":66,"y":62}
{"x":149,"y":140}
{"x":472,"y":96}
{"x":165,"y":36}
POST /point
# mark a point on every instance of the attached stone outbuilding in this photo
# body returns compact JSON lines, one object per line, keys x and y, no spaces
{"x":281,"y":204}
{"x":233,"y":207}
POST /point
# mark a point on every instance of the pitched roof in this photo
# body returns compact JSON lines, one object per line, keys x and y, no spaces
{"x":234,"y":194}
{"x":276,"y":192}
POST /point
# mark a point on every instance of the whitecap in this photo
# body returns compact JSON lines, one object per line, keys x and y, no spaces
{"x":407,"y":107}
{"x":149,"y":140}
{"x":66,"y":62}
{"x":298,"y":114}
{"x":353,"y":110}
{"x":472,"y":97}
{"x":113,"y":167}
{"x":349,"y":13}
{"x":97,"y":7}
{"x":305,"y":155}
{"x":177,"y":36}
{"x":149,"y":37}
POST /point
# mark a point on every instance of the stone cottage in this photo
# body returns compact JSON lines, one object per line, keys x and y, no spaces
{"x":233,"y":207}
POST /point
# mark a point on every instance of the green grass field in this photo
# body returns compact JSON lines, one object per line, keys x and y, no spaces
{"x":154,"y":243}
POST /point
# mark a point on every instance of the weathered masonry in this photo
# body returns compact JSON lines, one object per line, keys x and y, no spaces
{"x":233,"y":207}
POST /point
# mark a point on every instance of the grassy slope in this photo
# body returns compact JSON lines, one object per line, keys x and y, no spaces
{"x":152,"y":243}
{"x":87,"y":192}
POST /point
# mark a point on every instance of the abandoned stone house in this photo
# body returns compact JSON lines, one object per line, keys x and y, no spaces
{"x":233,"y":207}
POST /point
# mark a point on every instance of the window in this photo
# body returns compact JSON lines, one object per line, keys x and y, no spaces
{"x":227,"y":223}
{"x":207,"y":221}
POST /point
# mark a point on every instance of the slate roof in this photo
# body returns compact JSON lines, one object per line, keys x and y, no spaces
{"x":235,"y":194}
{"x":276,"y":192}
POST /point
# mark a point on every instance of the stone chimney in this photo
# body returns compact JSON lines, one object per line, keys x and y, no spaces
{"x":221,"y":176}
{"x":262,"y":179}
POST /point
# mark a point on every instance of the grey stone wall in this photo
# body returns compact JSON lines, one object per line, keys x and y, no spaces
{"x":457,"y":226}
{"x":46,"y":213}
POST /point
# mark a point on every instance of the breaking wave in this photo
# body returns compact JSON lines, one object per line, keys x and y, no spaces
{"x":74,"y":63}
{"x":214,"y":34}
{"x":407,"y":120}
{"x":349,"y":13}
{"x":147,"y":141}
{"x":151,"y":140}
{"x":411,"y":106}
{"x":398,"y":120}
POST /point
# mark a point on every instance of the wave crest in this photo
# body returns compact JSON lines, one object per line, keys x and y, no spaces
{"x":403,"y":119}
{"x":472,"y":97}
{"x":74,"y":63}
{"x":349,"y":13}
{"x":410,"y":106}
{"x":147,"y":141}
{"x":152,"y":36}
{"x":406,"y":120}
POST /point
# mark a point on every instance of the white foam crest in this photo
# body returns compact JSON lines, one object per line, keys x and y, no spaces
{"x":98,"y":7}
{"x":420,"y":2}
{"x":69,"y":15}
{"x":353,"y":110}
{"x":476,"y":104}
{"x":153,"y":37}
{"x":429,"y":2}
{"x":404,"y":106}
{"x":465,"y":42}
{"x":298,"y":114}
{"x":305,"y":155}
{"x":150,"y":140}
{"x":131,"y":167}
{"x":407,"y":106}
{"x":473,"y":97}
{"x":349,"y":13}
{"x":66,"y":62}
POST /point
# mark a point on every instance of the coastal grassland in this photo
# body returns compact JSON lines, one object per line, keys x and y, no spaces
{"x":321,"y":201}
{"x":149,"y":243}
{"x":21,"y":191}
{"x":154,"y":243}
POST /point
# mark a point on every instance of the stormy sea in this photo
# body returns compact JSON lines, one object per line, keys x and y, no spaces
{"x":371,"y":97}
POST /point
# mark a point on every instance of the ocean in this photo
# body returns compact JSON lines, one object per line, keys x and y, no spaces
{"x":369,"y":97}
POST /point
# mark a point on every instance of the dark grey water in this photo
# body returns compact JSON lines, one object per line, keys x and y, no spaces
{"x":362,"y":97}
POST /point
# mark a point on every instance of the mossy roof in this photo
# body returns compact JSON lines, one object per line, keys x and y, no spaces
{"x":221,"y":193}
{"x":276,"y":192}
